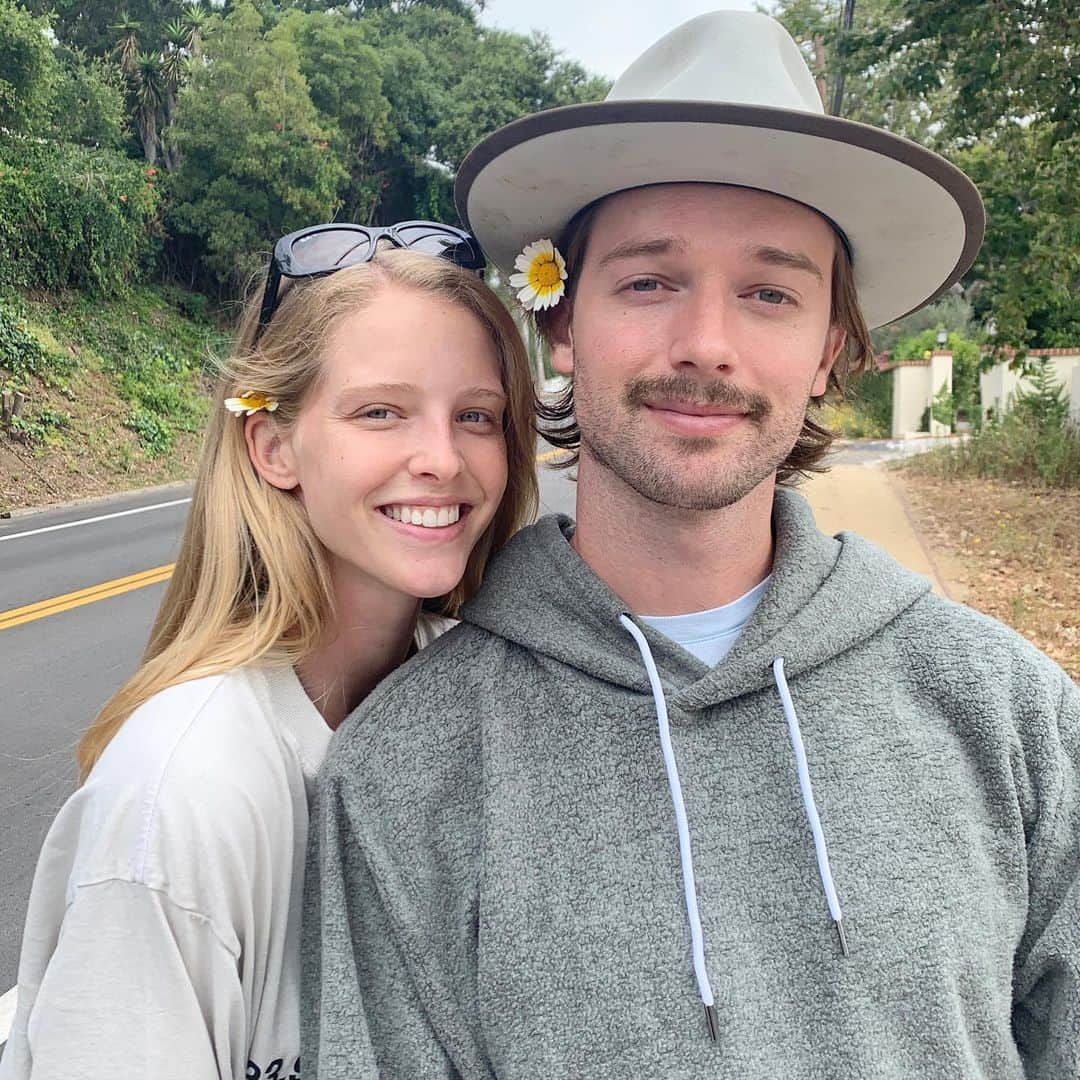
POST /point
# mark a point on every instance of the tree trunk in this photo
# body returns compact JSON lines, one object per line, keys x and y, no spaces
{"x":819,"y":70}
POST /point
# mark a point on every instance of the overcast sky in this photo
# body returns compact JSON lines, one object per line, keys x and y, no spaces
{"x":604,"y":35}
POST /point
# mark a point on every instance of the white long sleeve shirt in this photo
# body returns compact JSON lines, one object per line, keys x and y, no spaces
{"x":163,"y":931}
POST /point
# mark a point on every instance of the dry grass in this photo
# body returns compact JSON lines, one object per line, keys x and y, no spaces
{"x":1013,"y":550}
{"x":95,"y":454}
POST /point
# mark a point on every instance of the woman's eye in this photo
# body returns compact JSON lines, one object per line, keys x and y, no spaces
{"x":771,"y":296}
{"x":476,"y":416}
{"x":377,"y":412}
{"x":645,"y":285}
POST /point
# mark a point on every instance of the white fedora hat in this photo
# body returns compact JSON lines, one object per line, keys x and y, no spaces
{"x":727,"y":98}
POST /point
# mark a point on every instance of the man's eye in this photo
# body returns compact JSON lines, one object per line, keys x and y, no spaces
{"x":771,"y":296}
{"x":645,"y":285}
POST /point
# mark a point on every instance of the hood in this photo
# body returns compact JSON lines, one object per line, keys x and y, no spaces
{"x":827,"y":594}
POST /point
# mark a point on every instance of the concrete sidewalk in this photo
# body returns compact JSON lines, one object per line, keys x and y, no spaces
{"x":865,"y":499}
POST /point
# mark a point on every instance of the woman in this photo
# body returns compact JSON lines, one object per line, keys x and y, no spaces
{"x":371,"y":444}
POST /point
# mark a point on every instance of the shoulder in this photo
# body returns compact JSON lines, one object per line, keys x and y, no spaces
{"x":435,"y":693}
{"x":198,"y":768}
{"x":417,"y":739}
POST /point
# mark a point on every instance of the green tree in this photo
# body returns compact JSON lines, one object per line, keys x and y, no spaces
{"x":257,"y":157}
{"x":28,"y":70}
{"x":345,"y":80}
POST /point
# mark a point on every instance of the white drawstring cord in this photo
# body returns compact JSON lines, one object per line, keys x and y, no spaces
{"x":808,"y":801}
{"x":697,"y":940}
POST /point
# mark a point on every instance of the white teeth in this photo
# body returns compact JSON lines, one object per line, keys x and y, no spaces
{"x":429,"y":517}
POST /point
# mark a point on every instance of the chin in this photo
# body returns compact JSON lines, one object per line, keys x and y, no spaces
{"x":428,"y":586}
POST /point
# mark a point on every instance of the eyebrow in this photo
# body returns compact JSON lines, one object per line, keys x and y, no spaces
{"x":411,"y":388}
{"x":631,"y":249}
{"x":794,"y":260}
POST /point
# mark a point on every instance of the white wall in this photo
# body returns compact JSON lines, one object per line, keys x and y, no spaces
{"x":914,"y":387}
{"x":999,"y":386}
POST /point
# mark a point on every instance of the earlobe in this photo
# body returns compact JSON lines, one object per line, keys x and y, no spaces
{"x":270,"y":454}
{"x":834,"y":343}
{"x":562,"y":347}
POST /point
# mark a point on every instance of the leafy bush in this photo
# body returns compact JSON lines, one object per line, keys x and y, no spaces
{"x":41,"y":426}
{"x":72,"y":217}
{"x":22,"y":354}
{"x":1017,"y":447}
{"x":154,"y":432}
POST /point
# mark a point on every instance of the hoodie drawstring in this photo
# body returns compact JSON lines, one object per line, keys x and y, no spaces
{"x":824,"y":870}
{"x":686,"y":857}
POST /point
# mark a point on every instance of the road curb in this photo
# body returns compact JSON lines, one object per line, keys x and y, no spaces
{"x":98,"y":500}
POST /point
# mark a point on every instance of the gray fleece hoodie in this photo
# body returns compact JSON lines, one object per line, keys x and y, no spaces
{"x":496,"y":886}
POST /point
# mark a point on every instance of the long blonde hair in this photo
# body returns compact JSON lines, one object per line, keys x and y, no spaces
{"x":251,"y":577}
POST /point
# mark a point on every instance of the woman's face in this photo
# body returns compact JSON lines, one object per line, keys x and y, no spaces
{"x":399,"y":455}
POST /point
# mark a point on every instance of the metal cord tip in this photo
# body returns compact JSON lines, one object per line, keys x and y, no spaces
{"x":843,"y":937}
{"x":713,"y":1021}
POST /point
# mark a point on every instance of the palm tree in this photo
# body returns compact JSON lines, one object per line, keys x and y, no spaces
{"x":127,"y":48}
{"x":149,"y":88}
{"x":173,"y":69}
{"x":195,"y":25}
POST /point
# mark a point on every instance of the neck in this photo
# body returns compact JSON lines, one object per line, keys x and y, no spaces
{"x":371,"y":636}
{"x":661,"y":560}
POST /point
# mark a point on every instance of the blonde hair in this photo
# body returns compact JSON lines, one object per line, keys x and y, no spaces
{"x":252,"y":578}
{"x":814,"y":441}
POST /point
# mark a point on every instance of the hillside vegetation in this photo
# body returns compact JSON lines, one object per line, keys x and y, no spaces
{"x":114,"y":392}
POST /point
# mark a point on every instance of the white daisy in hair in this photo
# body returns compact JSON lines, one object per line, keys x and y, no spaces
{"x":542,"y":274}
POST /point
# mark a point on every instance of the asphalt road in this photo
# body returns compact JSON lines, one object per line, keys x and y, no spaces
{"x":57,"y":670}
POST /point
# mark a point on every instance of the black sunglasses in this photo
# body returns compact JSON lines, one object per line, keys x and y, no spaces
{"x":321,"y":249}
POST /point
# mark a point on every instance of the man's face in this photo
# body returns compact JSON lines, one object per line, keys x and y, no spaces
{"x":700,"y":329}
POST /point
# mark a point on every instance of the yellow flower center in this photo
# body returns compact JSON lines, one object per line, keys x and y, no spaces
{"x":544,"y":274}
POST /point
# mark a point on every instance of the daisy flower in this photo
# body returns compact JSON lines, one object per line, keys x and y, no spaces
{"x":542,"y":273}
{"x":248,"y":403}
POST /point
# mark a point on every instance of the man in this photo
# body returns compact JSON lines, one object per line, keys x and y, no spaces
{"x":696,"y":791}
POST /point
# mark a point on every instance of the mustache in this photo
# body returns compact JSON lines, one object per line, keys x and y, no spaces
{"x":680,"y":388}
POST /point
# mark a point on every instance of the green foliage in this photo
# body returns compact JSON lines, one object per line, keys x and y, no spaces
{"x":88,"y":102}
{"x":993,"y":86}
{"x":1013,"y":449}
{"x":872,"y":398}
{"x":155,"y":434}
{"x":22,"y":355}
{"x":345,"y":80}
{"x":41,"y":425}
{"x":28,"y":70}
{"x":1029,"y":266}
{"x":1043,"y":401}
{"x":943,"y":407}
{"x":71,"y":217}
{"x":967,"y":357}
{"x":257,"y":157}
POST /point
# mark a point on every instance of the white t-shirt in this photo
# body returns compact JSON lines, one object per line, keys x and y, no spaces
{"x":710,"y":635}
{"x":163,"y":932}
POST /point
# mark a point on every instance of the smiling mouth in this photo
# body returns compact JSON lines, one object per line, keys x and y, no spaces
{"x":689,"y":408}
{"x":427,"y":517}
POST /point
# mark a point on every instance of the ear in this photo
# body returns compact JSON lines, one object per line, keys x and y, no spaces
{"x":270,"y":454}
{"x":561,"y":341}
{"x":834,"y":342}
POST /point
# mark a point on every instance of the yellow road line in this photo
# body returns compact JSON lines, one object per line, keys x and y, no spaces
{"x":18,"y":616}
{"x":547,"y":455}
{"x":53,"y":606}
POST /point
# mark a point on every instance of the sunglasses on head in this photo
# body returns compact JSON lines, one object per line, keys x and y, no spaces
{"x":321,"y":249}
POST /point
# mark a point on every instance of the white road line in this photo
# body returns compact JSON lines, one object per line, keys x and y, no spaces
{"x":7,"y":1013}
{"x":90,"y":521}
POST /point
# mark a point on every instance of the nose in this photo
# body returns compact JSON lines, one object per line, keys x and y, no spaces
{"x":705,"y":338}
{"x":437,"y":456}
